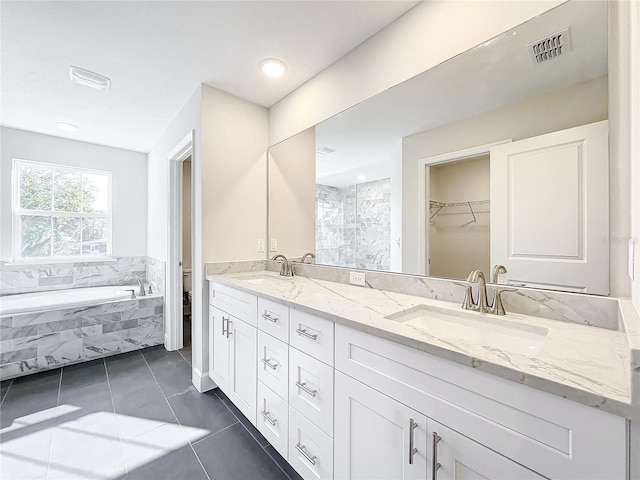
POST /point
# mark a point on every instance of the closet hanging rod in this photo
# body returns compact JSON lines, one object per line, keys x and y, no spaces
{"x":435,"y":203}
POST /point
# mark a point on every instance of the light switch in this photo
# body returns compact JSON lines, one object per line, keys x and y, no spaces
{"x":261,"y":245}
{"x":274,"y":245}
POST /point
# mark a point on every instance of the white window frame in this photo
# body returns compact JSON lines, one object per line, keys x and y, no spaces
{"x":17,"y":212}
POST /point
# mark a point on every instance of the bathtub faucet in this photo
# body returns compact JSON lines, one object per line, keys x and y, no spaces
{"x":129,"y":277}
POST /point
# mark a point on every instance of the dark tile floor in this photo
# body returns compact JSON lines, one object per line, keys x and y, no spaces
{"x":131,"y":416}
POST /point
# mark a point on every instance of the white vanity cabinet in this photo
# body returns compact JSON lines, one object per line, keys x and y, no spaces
{"x":233,"y":340}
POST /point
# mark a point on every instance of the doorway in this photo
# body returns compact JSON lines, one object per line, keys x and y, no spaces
{"x":187,"y":261}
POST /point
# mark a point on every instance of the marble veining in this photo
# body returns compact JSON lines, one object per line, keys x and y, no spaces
{"x":594,"y":366}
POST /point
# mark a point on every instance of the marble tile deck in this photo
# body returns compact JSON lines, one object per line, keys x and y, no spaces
{"x":130,"y":416}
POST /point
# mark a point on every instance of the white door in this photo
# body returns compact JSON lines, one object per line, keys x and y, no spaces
{"x":373,"y":435}
{"x":460,"y":458}
{"x":549,"y":209}
{"x":219,"y":357}
{"x":243,"y":372}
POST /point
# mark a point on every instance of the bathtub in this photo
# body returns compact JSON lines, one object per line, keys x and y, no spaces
{"x":57,"y":299}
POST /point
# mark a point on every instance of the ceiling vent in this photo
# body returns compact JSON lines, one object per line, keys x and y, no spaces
{"x":325,"y":150}
{"x":550,"y":47}
{"x":89,"y":79}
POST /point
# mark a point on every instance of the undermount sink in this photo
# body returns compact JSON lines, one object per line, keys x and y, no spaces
{"x":474,"y":327}
{"x":259,"y":278}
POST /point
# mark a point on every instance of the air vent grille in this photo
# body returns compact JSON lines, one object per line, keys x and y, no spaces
{"x":325,"y":150}
{"x":550,"y":47}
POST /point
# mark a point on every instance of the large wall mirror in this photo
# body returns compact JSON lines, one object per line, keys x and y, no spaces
{"x":497,"y":156}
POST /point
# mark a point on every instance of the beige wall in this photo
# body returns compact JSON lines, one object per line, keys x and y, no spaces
{"x":186,"y":214}
{"x":454,"y":249}
{"x":234,"y":176}
{"x":292,"y":194}
{"x":558,"y":110}
{"x":409,"y":46}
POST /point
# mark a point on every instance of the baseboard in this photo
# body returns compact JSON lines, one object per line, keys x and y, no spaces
{"x":202,"y":381}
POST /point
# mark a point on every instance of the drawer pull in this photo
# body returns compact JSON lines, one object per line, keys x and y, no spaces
{"x":229,"y":323}
{"x":412,"y":450}
{"x":435,"y":465}
{"x":301,"y":449}
{"x":224,"y":330}
{"x":303,"y":333}
{"x":266,"y":316}
{"x":269,"y":364}
{"x":266,"y":416}
{"x":304,"y":388}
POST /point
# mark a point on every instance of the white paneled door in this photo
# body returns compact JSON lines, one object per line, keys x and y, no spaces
{"x":550,"y":209}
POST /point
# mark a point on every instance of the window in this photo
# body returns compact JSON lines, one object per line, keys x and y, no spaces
{"x":60,"y":212}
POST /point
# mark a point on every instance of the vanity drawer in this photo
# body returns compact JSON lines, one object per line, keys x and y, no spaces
{"x":310,"y":449}
{"x":313,"y":335}
{"x":240,"y":304}
{"x":273,"y":364}
{"x":273,"y":419}
{"x":311,"y":389}
{"x":273,"y":318}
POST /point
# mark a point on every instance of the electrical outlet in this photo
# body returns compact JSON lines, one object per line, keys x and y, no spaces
{"x":274,"y":245}
{"x":356,"y":278}
{"x":261,"y":245}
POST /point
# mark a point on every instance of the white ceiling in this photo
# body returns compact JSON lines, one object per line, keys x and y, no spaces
{"x":496,"y":74}
{"x":157,"y":53}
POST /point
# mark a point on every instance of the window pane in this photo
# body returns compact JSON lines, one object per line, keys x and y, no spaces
{"x":35,"y":236}
{"x":68,"y":192}
{"x":66,"y":236}
{"x":94,"y":236}
{"x":35,"y":187}
{"x":95,"y":193}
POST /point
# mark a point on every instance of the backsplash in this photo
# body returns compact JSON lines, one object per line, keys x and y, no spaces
{"x":24,"y":278}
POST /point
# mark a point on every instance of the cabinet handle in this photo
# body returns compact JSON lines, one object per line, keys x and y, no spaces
{"x":229,"y":323}
{"x":301,"y":449}
{"x":304,"y":388}
{"x":266,"y":416}
{"x":266,"y":316}
{"x":303,"y":333}
{"x":224,"y":331}
{"x":435,"y":466}
{"x":269,"y":364}
{"x":412,"y":450}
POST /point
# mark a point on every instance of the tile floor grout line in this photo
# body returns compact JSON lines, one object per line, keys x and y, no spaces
{"x":216,"y":432}
{"x":5,"y":393}
{"x":55,"y":416}
{"x":113,"y":406}
{"x":274,"y":460}
{"x":176,"y":417}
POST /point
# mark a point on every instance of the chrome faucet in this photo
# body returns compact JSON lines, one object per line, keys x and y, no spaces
{"x":129,"y":277}
{"x":497,"y":271}
{"x":285,"y":268}
{"x":482,"y":304}
{"x":304,"y":257}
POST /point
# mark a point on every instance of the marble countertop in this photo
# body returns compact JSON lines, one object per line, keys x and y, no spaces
{"x":586,"y":364}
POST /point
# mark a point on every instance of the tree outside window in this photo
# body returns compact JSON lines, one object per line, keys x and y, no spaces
{"x":61,"y":212}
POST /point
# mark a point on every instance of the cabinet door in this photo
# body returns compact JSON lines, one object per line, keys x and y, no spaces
{"x":219,"y":356}
{"x":374,"y":435}
{"x":460,"y":458}
{"x":242,"y":369}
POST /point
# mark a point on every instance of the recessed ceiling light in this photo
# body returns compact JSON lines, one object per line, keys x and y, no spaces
{"x":67,"y":127}
{"x":89,"y":79}
{"x":273,"y":67}
{"x":362,"y":178}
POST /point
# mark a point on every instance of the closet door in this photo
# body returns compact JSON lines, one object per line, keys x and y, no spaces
{"x":550,"y":209}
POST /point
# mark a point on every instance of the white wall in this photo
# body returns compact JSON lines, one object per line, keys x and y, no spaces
{"x":234,"y":176}
{"x":292,"y":194}
{"x":427,"y":35}
{"x":129,"y":183}
{"x":554,"y":111}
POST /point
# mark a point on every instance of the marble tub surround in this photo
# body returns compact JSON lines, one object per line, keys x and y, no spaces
{"x":33,"y":342}
{"x":592,"y":366}
{"x":155,"y":274}
{"x":32,"y":277}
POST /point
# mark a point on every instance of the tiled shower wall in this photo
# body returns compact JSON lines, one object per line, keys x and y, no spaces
{"x":353,"y":225}
{"x":25,"y":278}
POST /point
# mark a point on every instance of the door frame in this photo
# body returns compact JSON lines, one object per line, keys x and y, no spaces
{"x":174,"y":329}
{"x":423,"y":191}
